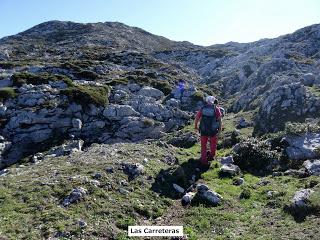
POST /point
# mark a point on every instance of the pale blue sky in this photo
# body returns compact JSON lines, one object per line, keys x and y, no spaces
{"x":202,"y":22}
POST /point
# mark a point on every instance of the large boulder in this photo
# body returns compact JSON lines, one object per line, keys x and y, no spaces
{"x":299,"y":202}
{"x":282,"y":104}
{"x":312,"y":167}
{"x":303,"y":147}
{"x":117,"y":112}
{"x":151,"y":92}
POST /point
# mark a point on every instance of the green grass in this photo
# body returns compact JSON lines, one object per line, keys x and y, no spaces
{"x":314,"y":90}
{"x":30,"y":199}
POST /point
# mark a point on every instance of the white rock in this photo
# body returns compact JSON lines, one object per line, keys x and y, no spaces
{"x":77,"y":123}
{"x":187,"y":198}
{"x":301,"y":197}
{"x":230,"y":169}
{"x":312,"y":167}
{"x":151,"y":92}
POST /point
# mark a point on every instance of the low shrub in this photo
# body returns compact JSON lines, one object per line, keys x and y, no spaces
{"x":84,"y":95}
{"x":163,"y":86}
{"x":87,"y":74}
{"x":198,"y":96}
{"x":301,"y":128}
{"x":255,"y":156}
{"x":18,"y":79}
{"x":6,"y":93}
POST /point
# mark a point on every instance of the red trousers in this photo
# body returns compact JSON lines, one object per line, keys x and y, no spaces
{"x":213,"y":147}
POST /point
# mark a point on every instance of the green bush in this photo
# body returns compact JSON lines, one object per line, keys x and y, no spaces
{"x":84,"y":95}
{"x":21,"y":78}
{"x":198,"y":96}
{"x":245,"y":194}
{"x":6,"y":93}
{"x":163,"y":86}
{"x":123,"y":223}
{"x":301,"y":128}
{"x":87,"y":74}
{"x":148,"y":122}
{"x":255,"y":156}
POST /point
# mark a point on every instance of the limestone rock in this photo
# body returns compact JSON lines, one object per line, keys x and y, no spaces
{"x":151,"y":92}
{"x":312,"y":167}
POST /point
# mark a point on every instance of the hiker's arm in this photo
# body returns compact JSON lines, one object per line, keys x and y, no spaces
{"x":198,"y":117}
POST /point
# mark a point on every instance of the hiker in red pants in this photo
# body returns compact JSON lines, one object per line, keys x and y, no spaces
{"x":210,"y":128}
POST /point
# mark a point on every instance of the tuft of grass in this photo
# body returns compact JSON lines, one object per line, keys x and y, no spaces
{"x":84,"y":95}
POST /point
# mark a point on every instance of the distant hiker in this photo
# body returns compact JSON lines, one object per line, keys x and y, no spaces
{"x":181,"y":87}
{"x":210,"y":127}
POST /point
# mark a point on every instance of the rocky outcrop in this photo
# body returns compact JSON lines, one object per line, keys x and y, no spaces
{"x":283,"y":104}
{"x":41,"y":114}
{"x":303,"y":147}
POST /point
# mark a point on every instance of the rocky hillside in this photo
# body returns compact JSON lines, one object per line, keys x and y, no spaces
{"x":97,"y":135}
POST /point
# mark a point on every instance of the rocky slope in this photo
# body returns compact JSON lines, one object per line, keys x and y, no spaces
{"x":91,"y":117}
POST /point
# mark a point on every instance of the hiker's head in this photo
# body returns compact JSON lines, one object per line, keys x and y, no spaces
{"x":216,"y":102}
{"x":210,"y":100}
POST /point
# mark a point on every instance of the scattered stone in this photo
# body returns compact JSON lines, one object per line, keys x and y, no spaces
{"x":201,"y":188}
{"x":82,"y":224}
{"x":109,"y":170}
{"x":95,"y":183}
{"x":230,"y":169}
{"x":187,"y":198}
{"x":226,"y":160}
{"x":123,"y":191}
{"x":178,"y":188}
{"x":243,"y":123}
{"x":97,"y":176}
{"x":238,"y":181}
{"x":210,"y":196}
{"x":133,"y":170}
{"x":76,"y":195}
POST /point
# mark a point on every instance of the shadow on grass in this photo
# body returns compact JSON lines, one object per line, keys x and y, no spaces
{"x":180,"y":175}
{"x":301,"y":213}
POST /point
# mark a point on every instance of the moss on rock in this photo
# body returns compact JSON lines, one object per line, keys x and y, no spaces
{"x":21,"y":78}
{"x":6,"y":93}
{"x":84,"y":95}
